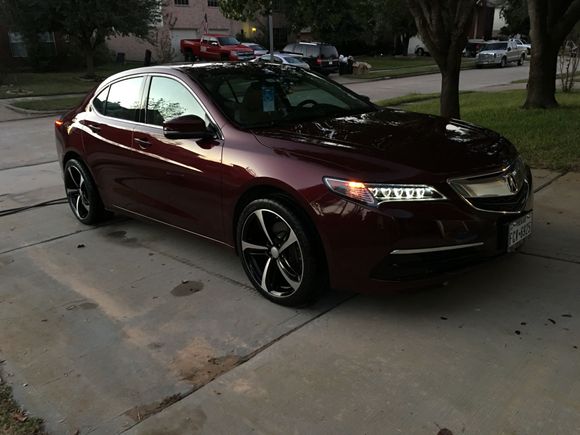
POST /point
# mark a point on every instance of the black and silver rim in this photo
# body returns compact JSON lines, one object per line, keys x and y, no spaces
{"x":76,"y":192}
{"x":272,"y":253}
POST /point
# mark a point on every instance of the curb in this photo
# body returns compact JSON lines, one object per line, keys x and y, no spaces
{"x":402,"y":76}
{"x":37,"y":113}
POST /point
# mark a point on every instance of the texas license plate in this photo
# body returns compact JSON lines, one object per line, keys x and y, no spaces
{"x":519,"y":230}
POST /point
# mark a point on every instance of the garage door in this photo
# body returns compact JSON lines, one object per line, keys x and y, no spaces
{"x":178,"y":35}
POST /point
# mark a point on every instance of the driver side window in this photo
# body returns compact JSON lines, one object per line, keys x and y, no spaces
{"x":169,"y":99}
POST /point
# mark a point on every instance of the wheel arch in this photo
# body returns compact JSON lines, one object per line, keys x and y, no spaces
{"x":289,"y":197}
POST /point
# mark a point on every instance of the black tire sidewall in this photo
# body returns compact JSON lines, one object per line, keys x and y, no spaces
{"x":96,"y":211}
{"x":312,"y":282}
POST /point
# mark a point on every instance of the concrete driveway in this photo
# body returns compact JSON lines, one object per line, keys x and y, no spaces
{"x":134,"y":327}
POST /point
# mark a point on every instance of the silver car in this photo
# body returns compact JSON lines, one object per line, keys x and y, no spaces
{"x":287,"y":59}
{"x":500,"y":53}
{"x":258,"y":49}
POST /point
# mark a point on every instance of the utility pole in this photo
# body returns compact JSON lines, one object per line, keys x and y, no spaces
{"x":271,"y":32}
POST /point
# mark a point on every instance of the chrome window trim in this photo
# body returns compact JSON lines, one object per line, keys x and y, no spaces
{"x":145,"y":93}
{"x":437,"y":249}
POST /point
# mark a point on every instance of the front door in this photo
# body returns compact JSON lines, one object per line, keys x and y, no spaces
{"x":179,"y":181}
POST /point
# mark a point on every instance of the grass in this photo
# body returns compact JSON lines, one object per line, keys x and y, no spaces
{"x":49,"y":104}
{"x":391,"y":62}
{"x":546,"y":138}
{"x":13,"y":421}
{"x":27,"y":84}
{"x":411,"y":98}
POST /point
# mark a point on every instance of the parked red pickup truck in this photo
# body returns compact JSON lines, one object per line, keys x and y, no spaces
{"x":215,"y":47}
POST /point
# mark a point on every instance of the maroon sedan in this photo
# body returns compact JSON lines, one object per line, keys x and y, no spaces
{"x":313,"y":185}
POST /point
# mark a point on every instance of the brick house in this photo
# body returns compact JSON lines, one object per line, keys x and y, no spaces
{"x":13,"y":48}
{"x":185,"y":19}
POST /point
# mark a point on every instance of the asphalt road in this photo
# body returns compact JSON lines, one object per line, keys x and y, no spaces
{"x":135,"y":327}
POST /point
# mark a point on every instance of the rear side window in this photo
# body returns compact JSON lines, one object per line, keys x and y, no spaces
{"x":100,"y":101}
{"x":312,"y":51}
{"x":124,"y":99}
{"x":289,"y":48}
{"x":169,"y":99}
{"x":329,"y":51}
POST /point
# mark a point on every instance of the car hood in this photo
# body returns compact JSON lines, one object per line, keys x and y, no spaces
{"x":396,"y":139}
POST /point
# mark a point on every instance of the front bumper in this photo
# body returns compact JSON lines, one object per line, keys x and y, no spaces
{"x":397,"y":246}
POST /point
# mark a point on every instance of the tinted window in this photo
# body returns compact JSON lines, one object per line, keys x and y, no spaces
{"x":496,"y":46}
{"x":124,"y":99}
{"x":312,"y":50}
{"x":328,"y":51}
{"x":228,"y":40}
{"x":169,"y":99}
{"x":100,"y":101}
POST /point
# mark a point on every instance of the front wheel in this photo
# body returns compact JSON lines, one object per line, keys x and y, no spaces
{"x":521,"y":60}
{"x":278,"y":253}
{"x":503,"y":62}
{"x":82,"y":194}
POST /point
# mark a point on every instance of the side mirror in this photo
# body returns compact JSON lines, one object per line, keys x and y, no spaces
{"x":215,"y":44}
{"x":186,"y":127}
{"x":509,"y":49}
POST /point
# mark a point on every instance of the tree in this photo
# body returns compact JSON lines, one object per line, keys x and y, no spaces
{"x":551,"y":21}
{"x":88,"y":22}
{"x":396,"y":16}
{"x":515,"y":13}
{"x":443,"y":26}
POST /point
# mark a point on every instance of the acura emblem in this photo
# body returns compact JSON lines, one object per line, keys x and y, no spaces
{"x":512,"y":182}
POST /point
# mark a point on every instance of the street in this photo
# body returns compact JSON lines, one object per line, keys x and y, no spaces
{"x":136,"y":327}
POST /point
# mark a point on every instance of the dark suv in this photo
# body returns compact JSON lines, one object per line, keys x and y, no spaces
{"x":321,"y":57}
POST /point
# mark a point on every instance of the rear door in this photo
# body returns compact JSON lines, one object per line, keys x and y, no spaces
{"x":179,"y":181}
{"x":108,"y":139}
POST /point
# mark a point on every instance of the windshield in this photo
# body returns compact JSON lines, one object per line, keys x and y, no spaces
{"x":266,"y":95}
{"x":228,"y":40}
{"x":496,"y":46}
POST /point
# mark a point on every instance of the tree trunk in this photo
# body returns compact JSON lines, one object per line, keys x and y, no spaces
{"x":90,"y":63}
{"x":450,"y":91}
{"x":542,"y":81}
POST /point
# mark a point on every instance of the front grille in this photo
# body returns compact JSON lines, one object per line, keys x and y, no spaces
{"x":510,"y":204}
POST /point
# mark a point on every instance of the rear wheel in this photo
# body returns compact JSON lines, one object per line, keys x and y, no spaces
{"x":277,"y":253}
{"x":420,"y":52}
{"x":521,"y":60}
{"x":82,"y":194}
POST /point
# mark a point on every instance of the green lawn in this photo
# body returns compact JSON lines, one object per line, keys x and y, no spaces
{"x":546,"y":138}
{"x":53,"y":83}
{"x":390,"y":62}
{"x":13,"y":421}
{"x":52,"y":104}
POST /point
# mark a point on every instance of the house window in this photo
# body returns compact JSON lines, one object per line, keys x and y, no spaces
{"x":213,"y":3}
{"x":182,"y":2}
{"x":17,"y":45}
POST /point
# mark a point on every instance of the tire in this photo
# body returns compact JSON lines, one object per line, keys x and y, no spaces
{"x":188,"y":55}
{"x":278,"y":253}
{"x":503,"y":63}
{"x":521,"y":60}
{"x":420,"y":52}
{"x":82,"y":193}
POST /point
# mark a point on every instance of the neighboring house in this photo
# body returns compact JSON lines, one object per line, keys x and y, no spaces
{"x":13,"y":47}
{"x":186,"y":19}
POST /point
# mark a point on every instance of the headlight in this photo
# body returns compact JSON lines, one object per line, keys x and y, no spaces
{"x":505,"y":183}
{"x":375,"y":194}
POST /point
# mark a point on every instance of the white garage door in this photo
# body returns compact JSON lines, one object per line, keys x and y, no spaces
{"x":177,"y":36}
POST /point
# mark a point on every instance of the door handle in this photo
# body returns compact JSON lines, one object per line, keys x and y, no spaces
{"x":143,"y":143}
{"x":94,"y":128}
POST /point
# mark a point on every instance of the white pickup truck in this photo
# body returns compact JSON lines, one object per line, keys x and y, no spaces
{"x":500,"y":53}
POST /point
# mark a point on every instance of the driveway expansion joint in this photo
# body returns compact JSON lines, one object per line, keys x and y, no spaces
{"x":241,"y":361}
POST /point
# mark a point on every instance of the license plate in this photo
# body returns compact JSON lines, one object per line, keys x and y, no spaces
{"x":519,"y":230}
